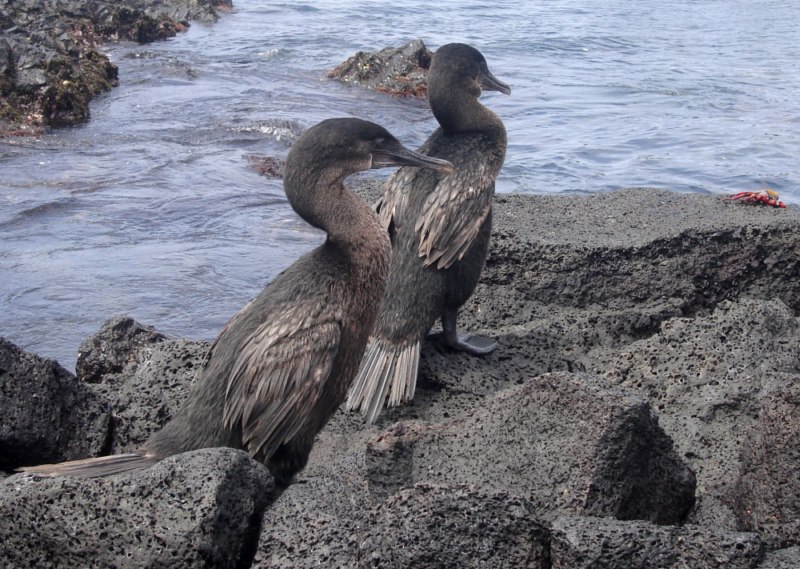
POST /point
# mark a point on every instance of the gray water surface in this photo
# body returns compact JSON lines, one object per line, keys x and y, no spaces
{"x":151,"y":209}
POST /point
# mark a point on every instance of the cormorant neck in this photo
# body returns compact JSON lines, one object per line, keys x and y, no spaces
{"x":354,"y":224}
{"x":319,"y":196}
{"x":457,"y":108}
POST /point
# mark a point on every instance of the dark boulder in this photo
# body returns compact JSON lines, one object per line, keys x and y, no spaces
{"x":147,"y":394}
{"x":709,"y":378}
{"x":195,"y":510}
{"x":145,"y":377}
{"x":398,"y":71}
{"x":46,"y":414}
{"x":425,"y":527}
{"x":113,"y":348}
{"x":7,"y":71}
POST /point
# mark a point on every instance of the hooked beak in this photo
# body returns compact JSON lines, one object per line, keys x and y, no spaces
{"x":489,"y":82}
{"x":392,"y":153}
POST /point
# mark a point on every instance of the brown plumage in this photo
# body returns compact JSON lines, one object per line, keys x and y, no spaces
{"x":440,"y":228}
{"x":282,"y":366}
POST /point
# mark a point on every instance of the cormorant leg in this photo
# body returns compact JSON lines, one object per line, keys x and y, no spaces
{"x":475,"y":345}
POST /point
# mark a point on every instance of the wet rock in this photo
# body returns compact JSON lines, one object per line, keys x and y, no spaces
{"x":50,"y":66}
{"x":394,"y":70}
{"x":46,"y":414}
{"x":568,"y":442}
{"x":198,"y":509}
{"x":267,"y":165}
{"x":424,"y":527}
{"x":284,"y":131}
{"x":583,"y":543}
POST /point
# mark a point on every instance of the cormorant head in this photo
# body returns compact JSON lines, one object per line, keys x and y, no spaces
{"x":461,"y":61}
{"x":351,"y":145}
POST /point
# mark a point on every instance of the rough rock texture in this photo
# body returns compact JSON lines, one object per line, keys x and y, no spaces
{"x":398,"y":71}
{"x":586,"y":449}
{"x":46,"y":415}
{"x":766,"y":495}
{"x":50,"y":66}
{"x":782,"y":559}
{"x":117,"y":344}
{"x":150,"y":390}
{"x":423,"y":526}
{"x":199,"y":509}
{"x":627,"y":322}
{"x":709,"y":377}
{"x":583,"y":543}
{"x":144,"y":376}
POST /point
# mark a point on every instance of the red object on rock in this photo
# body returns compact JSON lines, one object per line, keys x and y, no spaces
{"x":765,"y":197}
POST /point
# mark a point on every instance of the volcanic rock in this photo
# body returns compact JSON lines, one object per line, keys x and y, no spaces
{"x":584,"y":543}
{"x":198,"y":509}
{"x":46,"y":414}
{"x":50,"y":66}
{"x":400,"y":71}
{"x":647,"y":339}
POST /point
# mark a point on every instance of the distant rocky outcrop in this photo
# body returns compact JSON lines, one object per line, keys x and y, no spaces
{"x":397,"y":71}
{"x":50,"y":65}
{"x":641,"y":412}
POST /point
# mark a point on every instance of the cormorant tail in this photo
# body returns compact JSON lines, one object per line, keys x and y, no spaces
{"x":387,"y":367}
{"x":94,"y":467}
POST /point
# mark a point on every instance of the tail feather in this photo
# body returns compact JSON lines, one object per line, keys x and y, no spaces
{"x":407,"y":367}
{"x":387,"y":368}
{"x":94,"y":467}
{"x":379,"y":384}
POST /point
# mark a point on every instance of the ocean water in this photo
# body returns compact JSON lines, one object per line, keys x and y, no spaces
{"x":151,"y":209}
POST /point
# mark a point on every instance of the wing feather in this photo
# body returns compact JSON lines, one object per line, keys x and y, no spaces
{"x":452,"y":216}
{"x":278,"y":376}
{"x":455,"y":206}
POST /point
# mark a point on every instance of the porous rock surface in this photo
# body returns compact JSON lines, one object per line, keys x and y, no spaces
{"x":648,"y":343}
{"x":46,"y":415}
{"x":144,"y":375}
{"x":788,"y":558}
{"x":118,"y":343}
{"x":198,"y":509}
{"x":583,"y":543}
{"x":586,"y":449}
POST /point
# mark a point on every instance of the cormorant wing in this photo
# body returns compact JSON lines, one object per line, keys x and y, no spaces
{"x":278,"y":377}
{"x":454,"y":213}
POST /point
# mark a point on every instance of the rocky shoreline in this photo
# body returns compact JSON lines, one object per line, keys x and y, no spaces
{"x":50,"y":63}
{"x":642,"y":411}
